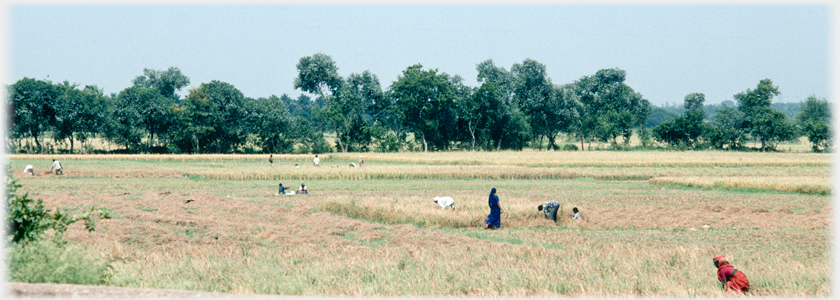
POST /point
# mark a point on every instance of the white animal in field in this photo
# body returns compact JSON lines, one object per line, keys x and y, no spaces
{"x":445,"y":202}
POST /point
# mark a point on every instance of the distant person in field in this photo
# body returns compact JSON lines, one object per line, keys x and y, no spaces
{"x":271,"y":159}
{"x":730,"y":278}
{"x":361,"y":162}
{"x":445,"y":202}
{"x":29,"y":170}
{"x":57,"y":167}
{"x":494,"y":219}
{"x":316,"y":161}
{"x":549,"y":209}
{"x":281,"y":189}
{"x":302,"y":189}
{"x":575,"y":214}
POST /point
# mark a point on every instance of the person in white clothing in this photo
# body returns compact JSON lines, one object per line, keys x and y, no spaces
{"x":316,"y":161}
{"x":57,"y":167}
{"x":445,"y":202}
{"x":29,"y":170}
{"x":576,"y":214}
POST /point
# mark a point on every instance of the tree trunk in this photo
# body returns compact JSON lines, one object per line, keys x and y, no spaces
{"x":340,"y":145}
{"x":425,"y":144}
{"x":499,"y":146}
{"x":581,"y":143}
{"x":71,"y":144}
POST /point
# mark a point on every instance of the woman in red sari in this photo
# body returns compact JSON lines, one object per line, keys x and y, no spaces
{"x":730,"y":278}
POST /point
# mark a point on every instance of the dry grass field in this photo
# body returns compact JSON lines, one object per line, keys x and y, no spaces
{"x":374,"y":231}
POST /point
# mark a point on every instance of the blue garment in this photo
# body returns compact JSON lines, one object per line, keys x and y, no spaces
{"x":495,"y":217}
{"x":282,"y":190}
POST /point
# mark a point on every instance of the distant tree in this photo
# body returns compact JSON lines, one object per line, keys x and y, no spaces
{"x":34,"y":104}
{"x":729,"y":129}
{"x":772,"y":127}
{"x":686,"y":129}
{"x":659,"y":115}
{"x":476,"y":111}
{"x":533,"y":95}
{"x":611,"y":107}
{"x":212,"y":119}
{"x":318,"y":74}
{"x":348,"y":108}
{"x":167,"y":82}
{"x":426,"y":100}
{"x":758,"y":114}
{"x":814,"y":120}
{"x":269,"y":120}
{"x":145,"y":108}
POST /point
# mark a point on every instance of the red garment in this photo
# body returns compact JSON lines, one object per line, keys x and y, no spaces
{"x":737,"y":281}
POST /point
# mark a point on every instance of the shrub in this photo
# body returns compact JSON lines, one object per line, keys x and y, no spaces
{"x":52,"y":261}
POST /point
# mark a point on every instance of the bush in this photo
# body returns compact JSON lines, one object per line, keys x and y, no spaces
{"x":51,"y":261}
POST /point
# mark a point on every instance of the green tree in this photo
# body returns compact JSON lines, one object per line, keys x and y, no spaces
{"x":814,"y":120}
{"x":212,"y":119}
{"x":348,"y":108}
{"x":755,"y":104}
{"x":34,"y":105}
{"x":534,"y":95}
{"x":318,"y":74}
{"x":269,"y":120}
{"x":686,"y":129}
{"x":145,"y":108}
{"x":426,"y":100}
{"x":610,"y":107}
{"x":167,"y":82}
{"x":730,"y":131}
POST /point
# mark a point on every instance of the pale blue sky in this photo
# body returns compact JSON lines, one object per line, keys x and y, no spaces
{"x":667,"y":51}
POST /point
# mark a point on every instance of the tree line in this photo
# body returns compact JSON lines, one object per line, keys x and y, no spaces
{"x":423,"y":110}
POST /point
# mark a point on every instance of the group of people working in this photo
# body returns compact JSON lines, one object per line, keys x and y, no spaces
{"x":731,"y":279}
{"x":30,"y":170}
{"x":281,"y":190}
{"x":316,"y":161}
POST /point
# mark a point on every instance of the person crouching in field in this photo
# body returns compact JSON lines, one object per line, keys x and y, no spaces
{"x":730,"y":278}
{"x":494,"y":219}
{"x":302,"y":189}
{"x":445,"y":202}
{"x":281,"y":190}
{"x":57,"y":167}
{"x":549,"y":209}
{"x":575,"y":214}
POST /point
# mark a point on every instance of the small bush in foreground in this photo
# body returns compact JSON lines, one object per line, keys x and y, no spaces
{"x":51,"y":261}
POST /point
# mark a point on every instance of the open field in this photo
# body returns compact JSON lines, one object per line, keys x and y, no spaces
{"x":374,"y":231}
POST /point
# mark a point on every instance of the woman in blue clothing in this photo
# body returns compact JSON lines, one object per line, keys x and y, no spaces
{"x":494,"y":219}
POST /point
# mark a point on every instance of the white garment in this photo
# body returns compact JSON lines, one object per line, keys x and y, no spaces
{"x":445,"y":202}
{"x":577,"y":216}
{"x":317,"y":161}
{"x":28,"y":170}
{"x":56,"y":165}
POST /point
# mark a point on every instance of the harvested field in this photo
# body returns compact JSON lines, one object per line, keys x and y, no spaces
{"x":374,"y":231}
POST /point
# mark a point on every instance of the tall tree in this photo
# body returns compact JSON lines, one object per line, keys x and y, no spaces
{"x":167,"y":82}
{"x":34,"y":104}
{"x":610,"y":107}
{"x":350,"y":105}
{"x":426,"y":100}
{"x":758,"y":114}
{"x":318,"y":74}
{"x":814,"y":119}
{"x":212,"y":119}
{"x":533,"y":94}
{"x":270,"y":121}
{"x":148,"y":108}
